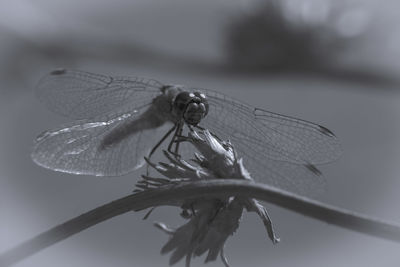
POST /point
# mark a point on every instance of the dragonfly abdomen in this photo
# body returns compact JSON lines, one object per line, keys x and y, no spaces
{"x":148,"y":120}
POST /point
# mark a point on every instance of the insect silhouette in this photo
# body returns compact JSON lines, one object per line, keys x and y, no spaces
{"x":119,"y":120}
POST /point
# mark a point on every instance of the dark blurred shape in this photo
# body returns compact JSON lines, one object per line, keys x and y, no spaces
{"x":319,"y":38}
{"x":295,"y":35}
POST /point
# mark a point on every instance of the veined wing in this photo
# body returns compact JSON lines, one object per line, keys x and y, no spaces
{"x":84,"y":95}
{"x":277,"y":149}
{"x":106,"y":147}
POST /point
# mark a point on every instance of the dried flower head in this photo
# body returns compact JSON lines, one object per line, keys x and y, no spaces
{"x":210,"y":220}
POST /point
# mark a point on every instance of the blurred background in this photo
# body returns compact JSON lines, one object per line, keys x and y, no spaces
{"x":330,"y":62}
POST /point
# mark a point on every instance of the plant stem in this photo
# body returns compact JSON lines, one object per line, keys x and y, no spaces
{"x":173,"y":195}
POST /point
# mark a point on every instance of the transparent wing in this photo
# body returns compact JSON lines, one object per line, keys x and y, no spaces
{"x":109,"y":147}
{"x":277,"y":149}
{"x":84,"y":95}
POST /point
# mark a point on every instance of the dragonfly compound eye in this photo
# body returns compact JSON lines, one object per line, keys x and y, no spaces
{"x":194,"y":113}
{"x":180,"y":102}
{"x":192,"y":107}
{"x":203,"y":99}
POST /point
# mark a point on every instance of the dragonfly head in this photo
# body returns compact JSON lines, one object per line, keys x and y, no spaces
{"x":191,"y":106}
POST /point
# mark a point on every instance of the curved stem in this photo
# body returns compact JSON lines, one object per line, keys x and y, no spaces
{"x":173,"y":195}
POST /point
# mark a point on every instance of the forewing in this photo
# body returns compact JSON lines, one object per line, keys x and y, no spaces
{"x":277,"y":149}
{"x":80,"y":147}
{"x":84,"y":95}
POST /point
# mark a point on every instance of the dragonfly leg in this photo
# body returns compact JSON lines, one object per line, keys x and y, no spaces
{"x":191,"y":128}
{"x":179,"y":133}
{"x":213,"y":134}
{"x":161,"y":141}
{"x":178,"y":130}
{"x":158,"y":144}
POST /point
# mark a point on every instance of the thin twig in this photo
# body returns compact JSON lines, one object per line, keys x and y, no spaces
{"x":172,"y":195}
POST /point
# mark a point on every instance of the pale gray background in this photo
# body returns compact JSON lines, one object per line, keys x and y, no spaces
{"x":177,"y":41}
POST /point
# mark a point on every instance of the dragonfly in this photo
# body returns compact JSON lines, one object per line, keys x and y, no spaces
{"x":117,"y":121}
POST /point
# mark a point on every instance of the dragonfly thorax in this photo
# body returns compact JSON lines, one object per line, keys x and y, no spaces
{"x":192,"y":107}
